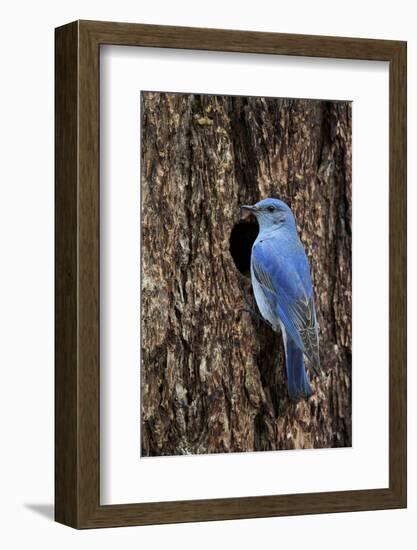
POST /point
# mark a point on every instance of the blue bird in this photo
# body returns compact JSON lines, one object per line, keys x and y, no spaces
{"x":283,"y":291}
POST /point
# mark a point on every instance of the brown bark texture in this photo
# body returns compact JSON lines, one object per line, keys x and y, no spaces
{"x":212,"y":374}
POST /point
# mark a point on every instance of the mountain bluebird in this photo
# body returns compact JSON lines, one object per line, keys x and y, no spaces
{"x":283,"y":291}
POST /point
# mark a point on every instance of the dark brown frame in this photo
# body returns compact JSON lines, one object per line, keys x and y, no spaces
{"x":77,"y":274}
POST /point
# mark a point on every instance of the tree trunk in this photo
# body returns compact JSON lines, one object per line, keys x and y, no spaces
{"x":212,"y":375}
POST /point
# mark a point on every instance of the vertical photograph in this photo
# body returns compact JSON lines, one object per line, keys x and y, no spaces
{"x":246,"y":274}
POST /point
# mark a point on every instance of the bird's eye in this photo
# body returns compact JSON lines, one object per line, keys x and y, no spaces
{"x":271,"y":208}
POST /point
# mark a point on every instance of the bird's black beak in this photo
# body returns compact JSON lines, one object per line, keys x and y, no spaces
{"x":248,"y":207}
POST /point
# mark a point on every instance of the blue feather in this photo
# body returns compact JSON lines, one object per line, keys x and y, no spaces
{"x":298,"y":385}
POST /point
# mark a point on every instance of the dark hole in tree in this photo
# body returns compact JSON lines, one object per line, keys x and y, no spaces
{"x":242,"y":237}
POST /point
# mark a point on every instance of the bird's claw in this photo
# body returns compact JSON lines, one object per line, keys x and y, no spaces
{"x":256,"y":317}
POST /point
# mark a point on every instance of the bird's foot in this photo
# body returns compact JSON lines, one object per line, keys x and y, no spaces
{"x":256,"y":317}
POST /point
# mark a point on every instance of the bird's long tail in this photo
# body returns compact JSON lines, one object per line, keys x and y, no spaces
{"x":298,"y":385}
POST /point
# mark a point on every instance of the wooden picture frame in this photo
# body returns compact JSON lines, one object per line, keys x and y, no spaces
{"x":77,"y":402}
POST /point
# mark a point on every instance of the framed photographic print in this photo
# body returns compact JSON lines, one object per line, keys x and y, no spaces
{"x":230,"y":274}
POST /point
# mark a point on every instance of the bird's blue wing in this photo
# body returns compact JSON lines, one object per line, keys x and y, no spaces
{"x":265,"y":294}
{"x":282,"y":272}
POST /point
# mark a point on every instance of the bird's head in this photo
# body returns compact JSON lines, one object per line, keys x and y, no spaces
{"x":271,"y":214}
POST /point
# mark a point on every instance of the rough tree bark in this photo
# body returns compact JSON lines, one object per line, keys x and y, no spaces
{"x":212,"y":376}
